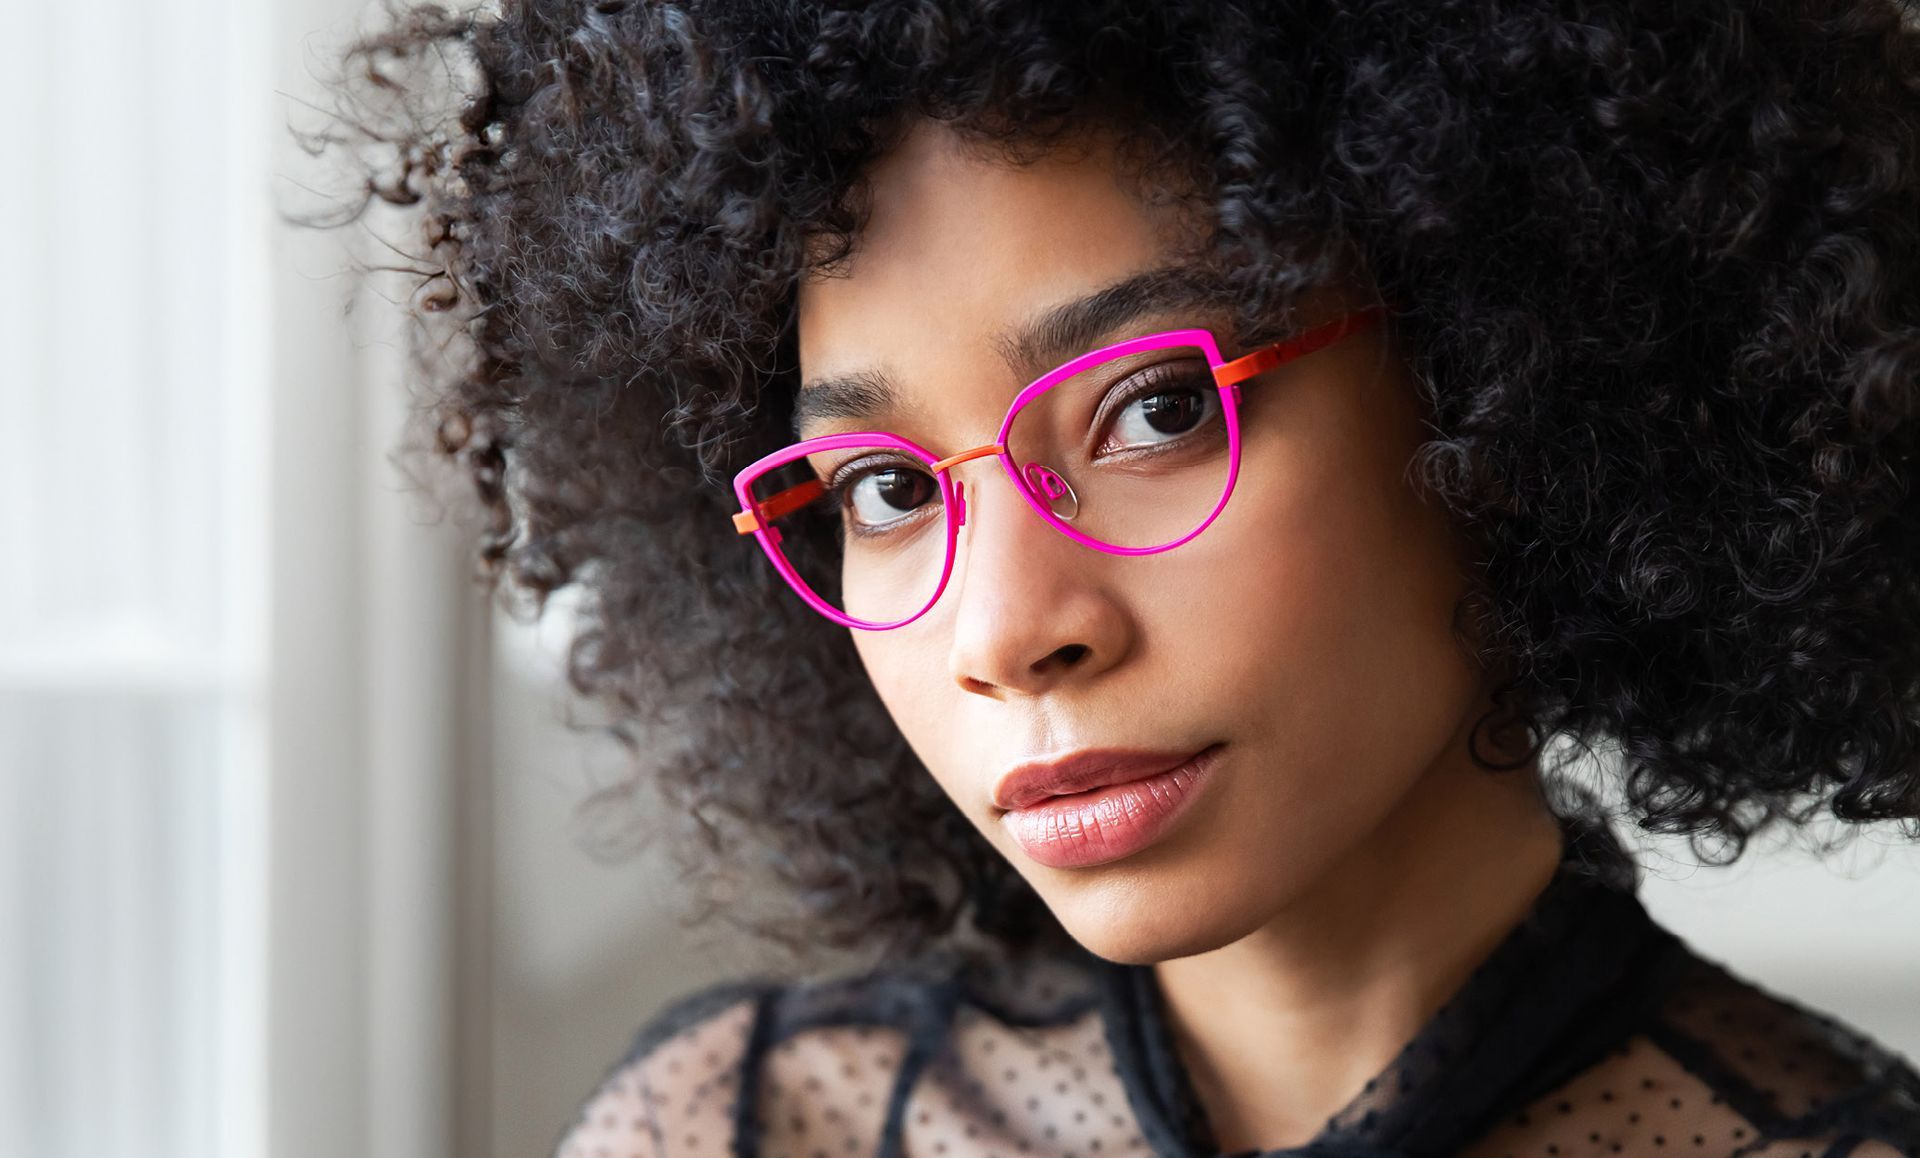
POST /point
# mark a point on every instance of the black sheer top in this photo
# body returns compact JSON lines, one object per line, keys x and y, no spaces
{"x":1588,"y":1031}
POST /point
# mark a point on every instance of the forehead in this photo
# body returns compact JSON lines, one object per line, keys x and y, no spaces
{"x":958,"y":244}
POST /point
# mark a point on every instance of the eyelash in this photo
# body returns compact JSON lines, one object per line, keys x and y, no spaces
{"x":1148,"y":381}
{"x":849,"y":474}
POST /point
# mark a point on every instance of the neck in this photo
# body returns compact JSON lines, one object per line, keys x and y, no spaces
{"x":1328,"y":991}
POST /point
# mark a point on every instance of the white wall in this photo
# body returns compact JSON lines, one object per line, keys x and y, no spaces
{"x":133,"y":406}
{"x":1840,"y":933}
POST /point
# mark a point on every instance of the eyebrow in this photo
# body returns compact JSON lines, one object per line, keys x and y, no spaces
{"x":1031,"y":348}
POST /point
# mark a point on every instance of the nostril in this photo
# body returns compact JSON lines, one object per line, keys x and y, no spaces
{"x":1070,"y":654}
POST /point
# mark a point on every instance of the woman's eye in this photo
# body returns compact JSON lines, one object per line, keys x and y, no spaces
{"x":882,"y":496}
{"x":1164,"y":414}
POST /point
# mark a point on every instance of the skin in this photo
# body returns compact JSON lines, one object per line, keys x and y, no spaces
{"x":1347,"y":865}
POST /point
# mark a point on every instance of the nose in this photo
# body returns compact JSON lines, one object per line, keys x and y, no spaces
{"x":1032,"y":608}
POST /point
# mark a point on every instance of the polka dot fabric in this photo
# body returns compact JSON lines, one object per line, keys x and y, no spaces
{"x":1019,"y":1095}
{"x":676,"y":1095}
{"x":1589,"y":1032}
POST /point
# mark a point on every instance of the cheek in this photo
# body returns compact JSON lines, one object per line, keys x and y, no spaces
{"x":1321,"y":608}
{"x":909,"y":673}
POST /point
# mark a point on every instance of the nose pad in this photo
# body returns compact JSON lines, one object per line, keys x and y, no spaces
{"x":1048,"y":484}
{"x":959,"y":503}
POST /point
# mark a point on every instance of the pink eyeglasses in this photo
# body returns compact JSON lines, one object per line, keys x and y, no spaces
{"x":863,"y":525}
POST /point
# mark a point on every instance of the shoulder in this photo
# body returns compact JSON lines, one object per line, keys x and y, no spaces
{"x":769,"y":1066}
{"x":1723,"y":1066}
{"x":671,"y":1092}
{"x":1792,"y":1071}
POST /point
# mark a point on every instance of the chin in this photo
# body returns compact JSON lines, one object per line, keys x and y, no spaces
{"x":1148,"y":943}
{"x":1133,"y":918}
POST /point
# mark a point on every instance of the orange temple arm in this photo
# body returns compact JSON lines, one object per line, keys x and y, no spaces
{"x":779,"y":505}
{"x":1266,"y":358}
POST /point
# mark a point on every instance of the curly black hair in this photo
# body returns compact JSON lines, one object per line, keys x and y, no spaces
{"x":1656,"y":265}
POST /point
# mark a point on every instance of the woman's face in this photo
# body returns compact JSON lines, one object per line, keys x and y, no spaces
{"x":1306,"y":631}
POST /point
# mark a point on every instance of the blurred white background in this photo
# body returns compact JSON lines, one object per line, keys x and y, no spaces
{"x":288,"y":858}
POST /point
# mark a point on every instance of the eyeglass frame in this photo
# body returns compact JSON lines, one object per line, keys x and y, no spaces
{"x":753,"y":518}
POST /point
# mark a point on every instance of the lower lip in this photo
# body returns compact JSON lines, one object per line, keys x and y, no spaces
{"x":1104,"y":824}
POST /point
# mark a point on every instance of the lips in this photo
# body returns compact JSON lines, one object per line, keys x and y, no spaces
{"x":1028,"y":784}
{"x":1110,"y":821}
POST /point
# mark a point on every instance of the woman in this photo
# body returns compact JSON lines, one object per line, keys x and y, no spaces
{"x":1196,"y":457}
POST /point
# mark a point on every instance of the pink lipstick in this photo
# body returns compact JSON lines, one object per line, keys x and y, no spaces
{"x":1131,"y":801}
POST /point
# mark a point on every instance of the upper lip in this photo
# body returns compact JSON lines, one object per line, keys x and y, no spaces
{"x":1079,"y":771}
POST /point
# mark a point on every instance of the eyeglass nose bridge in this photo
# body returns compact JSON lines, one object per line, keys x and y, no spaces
{"x":960,"y":488}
